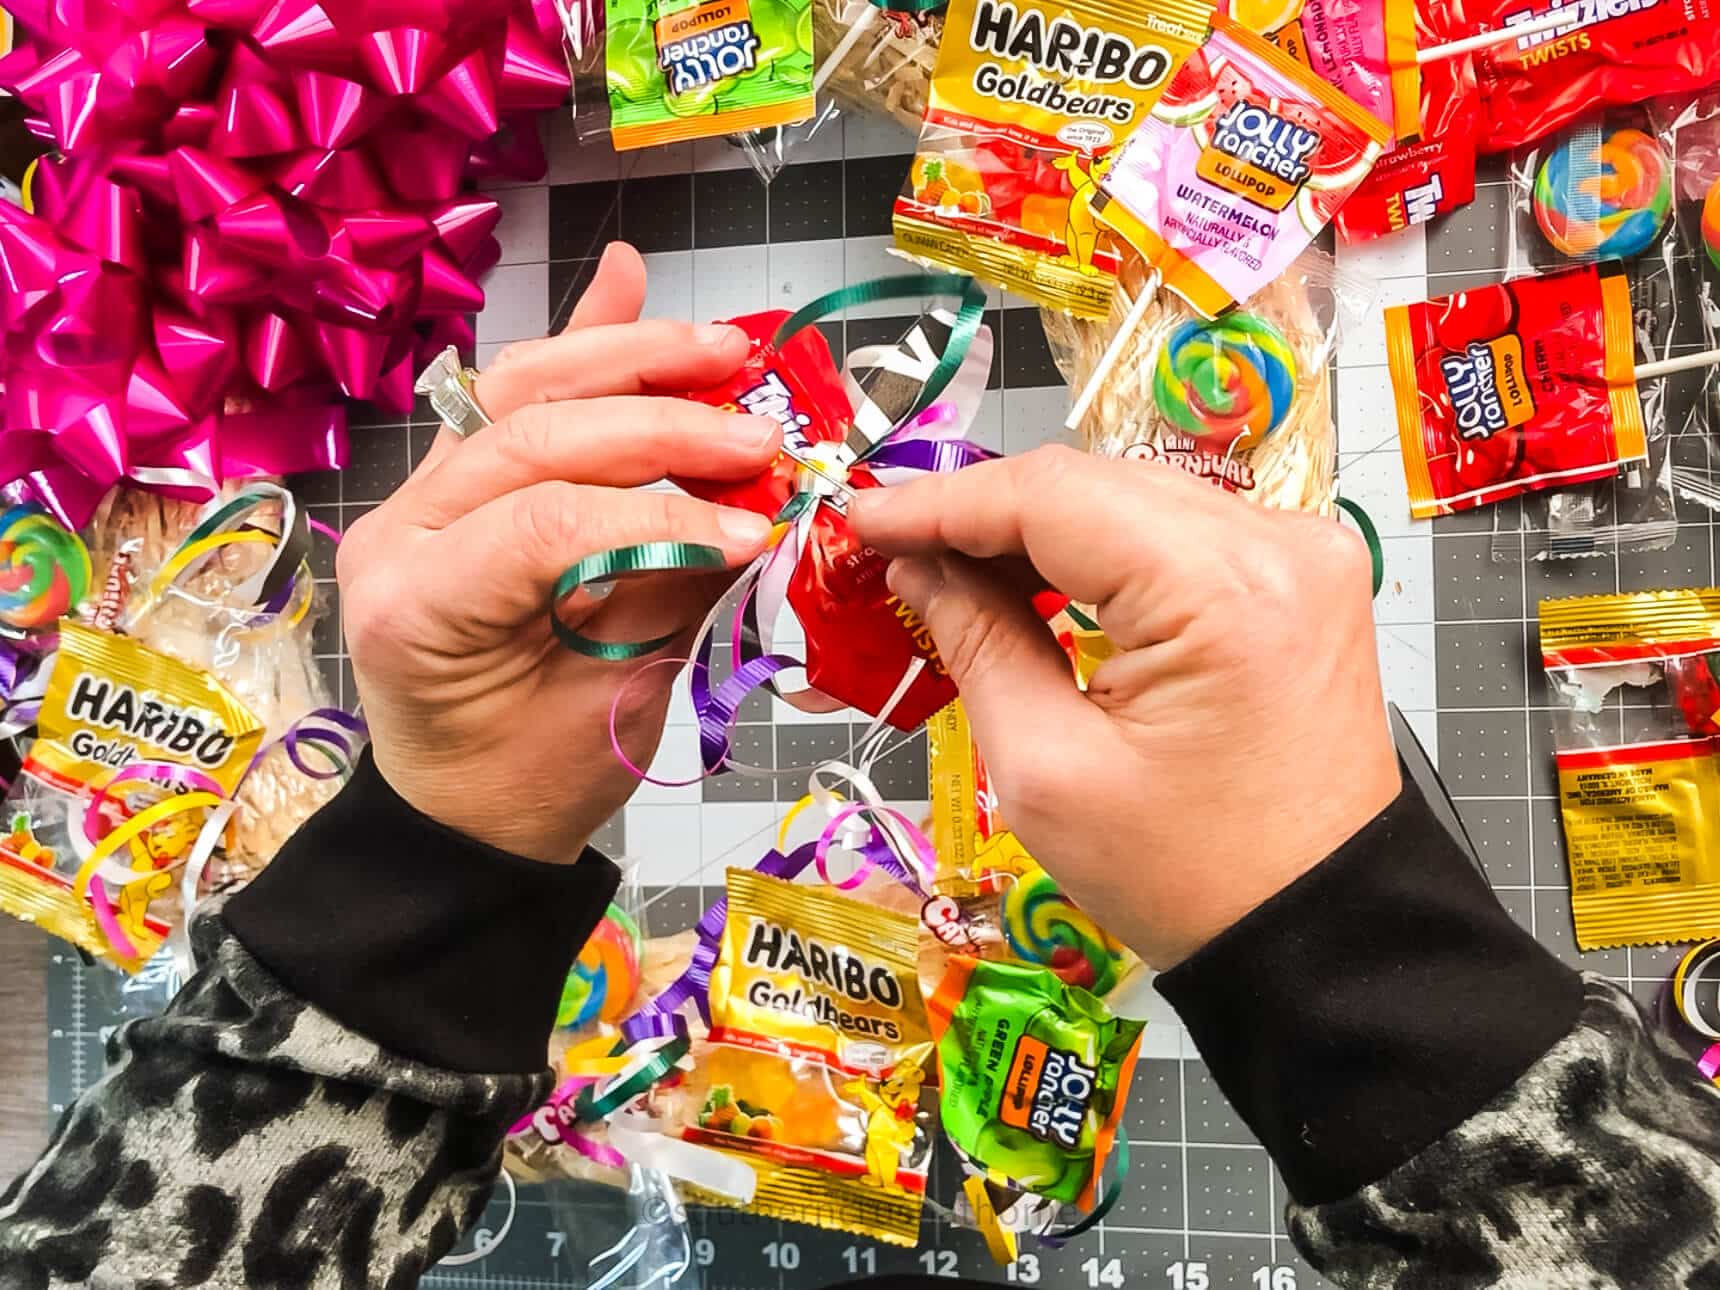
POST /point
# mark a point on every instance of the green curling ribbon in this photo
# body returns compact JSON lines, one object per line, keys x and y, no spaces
{"x":1371,"y":536}
{"x":907,"y":286}
{"x":1080,"y":619}
{"x":588,"y":1108}
{"x":608,"y":566}
{"x":910,"y":6}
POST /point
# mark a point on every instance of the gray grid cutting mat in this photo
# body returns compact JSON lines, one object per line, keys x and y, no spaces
{"x":1202,"y":1209}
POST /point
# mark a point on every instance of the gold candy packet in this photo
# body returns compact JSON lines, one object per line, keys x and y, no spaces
{"x":112,"y":703}
{"x":1638,"y":757}
{"x":818,"y":1049}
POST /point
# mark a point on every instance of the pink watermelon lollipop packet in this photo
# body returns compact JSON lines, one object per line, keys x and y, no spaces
{"x":1245,"y":158}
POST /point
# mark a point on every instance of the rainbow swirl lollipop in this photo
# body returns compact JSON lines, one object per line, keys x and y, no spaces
{"x":1711,"y":224}
{"x":604,"y":978}
{"x":1226,"y":380}
{"x":1043,"y":928}
{"x":1608,"y":198}
{"x":44,"y":569}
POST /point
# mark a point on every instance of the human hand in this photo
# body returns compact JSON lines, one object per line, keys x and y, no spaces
{"x":1237,"y":737}
{"x":478,"y":716}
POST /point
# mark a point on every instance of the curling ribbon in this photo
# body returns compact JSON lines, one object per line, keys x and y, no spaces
{"x":926,"y":440}
{"x":260,"y":205}
{"x":1700,"y":1036}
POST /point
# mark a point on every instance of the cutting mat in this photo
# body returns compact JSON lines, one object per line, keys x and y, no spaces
{"x":1455,"y":634}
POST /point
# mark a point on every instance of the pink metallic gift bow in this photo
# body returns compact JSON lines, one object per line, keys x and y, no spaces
{"x":258,"y":208}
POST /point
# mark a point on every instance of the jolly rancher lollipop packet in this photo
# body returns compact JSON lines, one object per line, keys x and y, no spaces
{"x":1028,"y":101}
{"x":690,"y":69}
{"x":1523,"y":385}
{"x":1244,"y":159}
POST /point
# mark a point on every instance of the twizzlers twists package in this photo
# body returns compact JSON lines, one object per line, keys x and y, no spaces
{"x":1641,"y":801}
{"x":1245,"y":158}
{"x":1610,"y":52}
{"x":860,"y":639}
{"x":1510,"y":388}
{"x":1431,"y":170}
{"x":1029,"y":99}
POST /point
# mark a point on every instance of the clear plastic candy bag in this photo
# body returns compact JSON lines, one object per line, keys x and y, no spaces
{"x":1149,"y":404}
{"x":1603,"y":190}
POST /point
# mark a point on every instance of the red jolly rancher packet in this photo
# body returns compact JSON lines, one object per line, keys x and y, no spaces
{"x":1510,"y":388}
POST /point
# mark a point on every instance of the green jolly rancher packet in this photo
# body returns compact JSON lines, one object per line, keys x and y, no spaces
{"x":689,"y":69}
{"x":1035,"y":1073}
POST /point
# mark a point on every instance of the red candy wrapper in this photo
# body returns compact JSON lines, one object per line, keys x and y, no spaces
{"x":860,"y":639}
{"x":1433,"y":172}
{"x":1516,"y":387}
{"x":1611,"y":52}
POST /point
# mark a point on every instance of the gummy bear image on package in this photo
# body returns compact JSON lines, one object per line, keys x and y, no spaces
{"x":680,"y":70}
{"x":1027,"y":103}
{"x":111,"y":704}
{"x":818,"y":1051}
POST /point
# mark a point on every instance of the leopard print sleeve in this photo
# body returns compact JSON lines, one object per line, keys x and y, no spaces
{"x":245,"y":1138}
{"x":1599,"y":1167}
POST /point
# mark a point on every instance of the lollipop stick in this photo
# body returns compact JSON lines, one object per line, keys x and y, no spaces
{"x":1683,"y":363}
{"x":1108,"y":359}
{"x":1487,"y":39}
{"x":850,"y":38}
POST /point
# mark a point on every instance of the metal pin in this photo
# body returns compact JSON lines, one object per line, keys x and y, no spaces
{"x":818,"y":470}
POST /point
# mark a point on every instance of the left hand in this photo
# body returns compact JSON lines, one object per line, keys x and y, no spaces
{"x":479,"y":717}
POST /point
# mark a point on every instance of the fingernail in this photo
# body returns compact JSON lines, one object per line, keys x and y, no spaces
{"x":752,"y":432}
{"x":717,"y":335}
{"x":743,"y":528}
{"x":915,"y":579}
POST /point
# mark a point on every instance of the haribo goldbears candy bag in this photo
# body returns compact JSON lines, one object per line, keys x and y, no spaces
{"x":134,"y":749}
{"x":818,"y":1051}
{"x":1027,"y":103}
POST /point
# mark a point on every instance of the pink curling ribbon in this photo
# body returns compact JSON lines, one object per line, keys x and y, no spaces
{"x":1709,"y":1062}
{"x":259,"y":206}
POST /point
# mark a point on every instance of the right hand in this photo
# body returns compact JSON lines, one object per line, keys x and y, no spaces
{"x":1237,"y":737}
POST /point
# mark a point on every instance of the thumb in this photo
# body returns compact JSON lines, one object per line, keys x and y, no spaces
{"x":1003,"y":658}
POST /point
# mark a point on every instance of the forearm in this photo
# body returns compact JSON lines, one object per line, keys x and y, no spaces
{"x":293,"y":1119}
{"x":1401,"y":1048}
{"x":1600,"y":1166}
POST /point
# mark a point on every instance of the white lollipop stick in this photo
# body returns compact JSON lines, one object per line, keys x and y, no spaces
{"x":1683,"y":363}
{"x":1108,"y":359}
{"x":1488,"y":39}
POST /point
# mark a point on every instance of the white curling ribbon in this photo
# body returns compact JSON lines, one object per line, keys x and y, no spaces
{"x":196,"y":861}
{"x":965,"y":391}
{"x":640,"y":1138}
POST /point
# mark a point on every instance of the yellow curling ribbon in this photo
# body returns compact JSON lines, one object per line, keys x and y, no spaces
{"x":135,"y":828}
{"x":192,"y":552}
{"x":999,"y":1240}
{"x":793,"y":814}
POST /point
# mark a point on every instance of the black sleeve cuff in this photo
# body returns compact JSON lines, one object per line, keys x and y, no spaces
{"x":440,"y":948}
{"x":1373,"y":1005}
